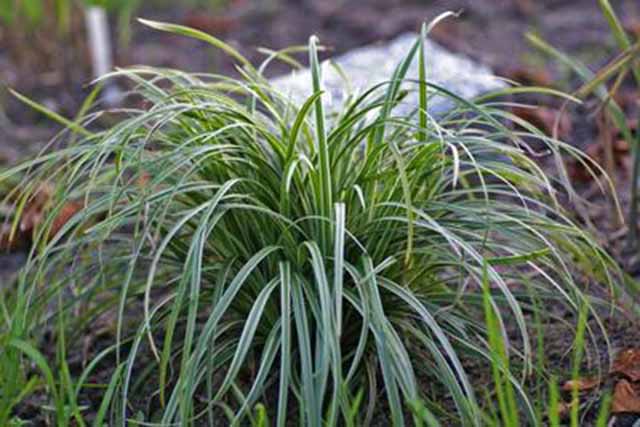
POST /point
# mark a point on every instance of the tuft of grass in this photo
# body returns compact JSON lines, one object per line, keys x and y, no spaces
{"x":256,"y":260}
{"x":554,"y":400}
{"x":508,"y":409}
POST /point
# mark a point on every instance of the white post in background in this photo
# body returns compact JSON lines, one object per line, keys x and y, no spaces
{"x":100,"y":47}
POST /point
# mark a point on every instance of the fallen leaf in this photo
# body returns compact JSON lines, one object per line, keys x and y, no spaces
{"x":564,"y":409}
{"x":6,"y":242}
{"x":621,"y":159}
{"x":68,"y":210}
{"x":621,"y":146}
{"x":582,"y":384}
{"x":528,"y":76}
{"x":545,"y":119}
{"x":36,"y":210}
{"x":143,"y":179}
{"x":33,"y":213}
{"x":626,"y":398}
{"x":627,"y":364}
{"x":578,"y":173}
{"x":596,"y":151}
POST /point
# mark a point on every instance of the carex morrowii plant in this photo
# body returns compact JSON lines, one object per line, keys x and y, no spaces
{"x":237,"y":248}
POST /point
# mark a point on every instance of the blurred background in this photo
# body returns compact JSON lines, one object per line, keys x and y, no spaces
{"x":48,"y":54}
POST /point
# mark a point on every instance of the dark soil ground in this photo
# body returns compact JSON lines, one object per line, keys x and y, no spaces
{"x":56,"y":73}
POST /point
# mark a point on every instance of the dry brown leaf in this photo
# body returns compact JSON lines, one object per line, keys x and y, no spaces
{"x":621,"y":146}
{"x":564,"y":408}
{"x":582,"y":384}
{"x":545,"y":119}
{"x":33,"y":213}
{"x":143,"y":179}
{"x":68,"y":210}
{"x":578,"y":173}
{"x":620,"y":150}
{"x":621,"y":159}
{"x":627,"y":364}
{"x":626,"y":398}
{"x":36,"y":209}
{"x":529,"y":76}
{"x":6,"y":242}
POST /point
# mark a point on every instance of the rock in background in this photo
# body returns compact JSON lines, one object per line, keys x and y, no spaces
{"x":370,"y":65}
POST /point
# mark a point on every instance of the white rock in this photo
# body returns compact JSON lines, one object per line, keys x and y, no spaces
{"x":370,"y":65}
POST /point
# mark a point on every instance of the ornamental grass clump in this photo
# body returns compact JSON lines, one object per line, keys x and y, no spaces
{"x":238,"y":249}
